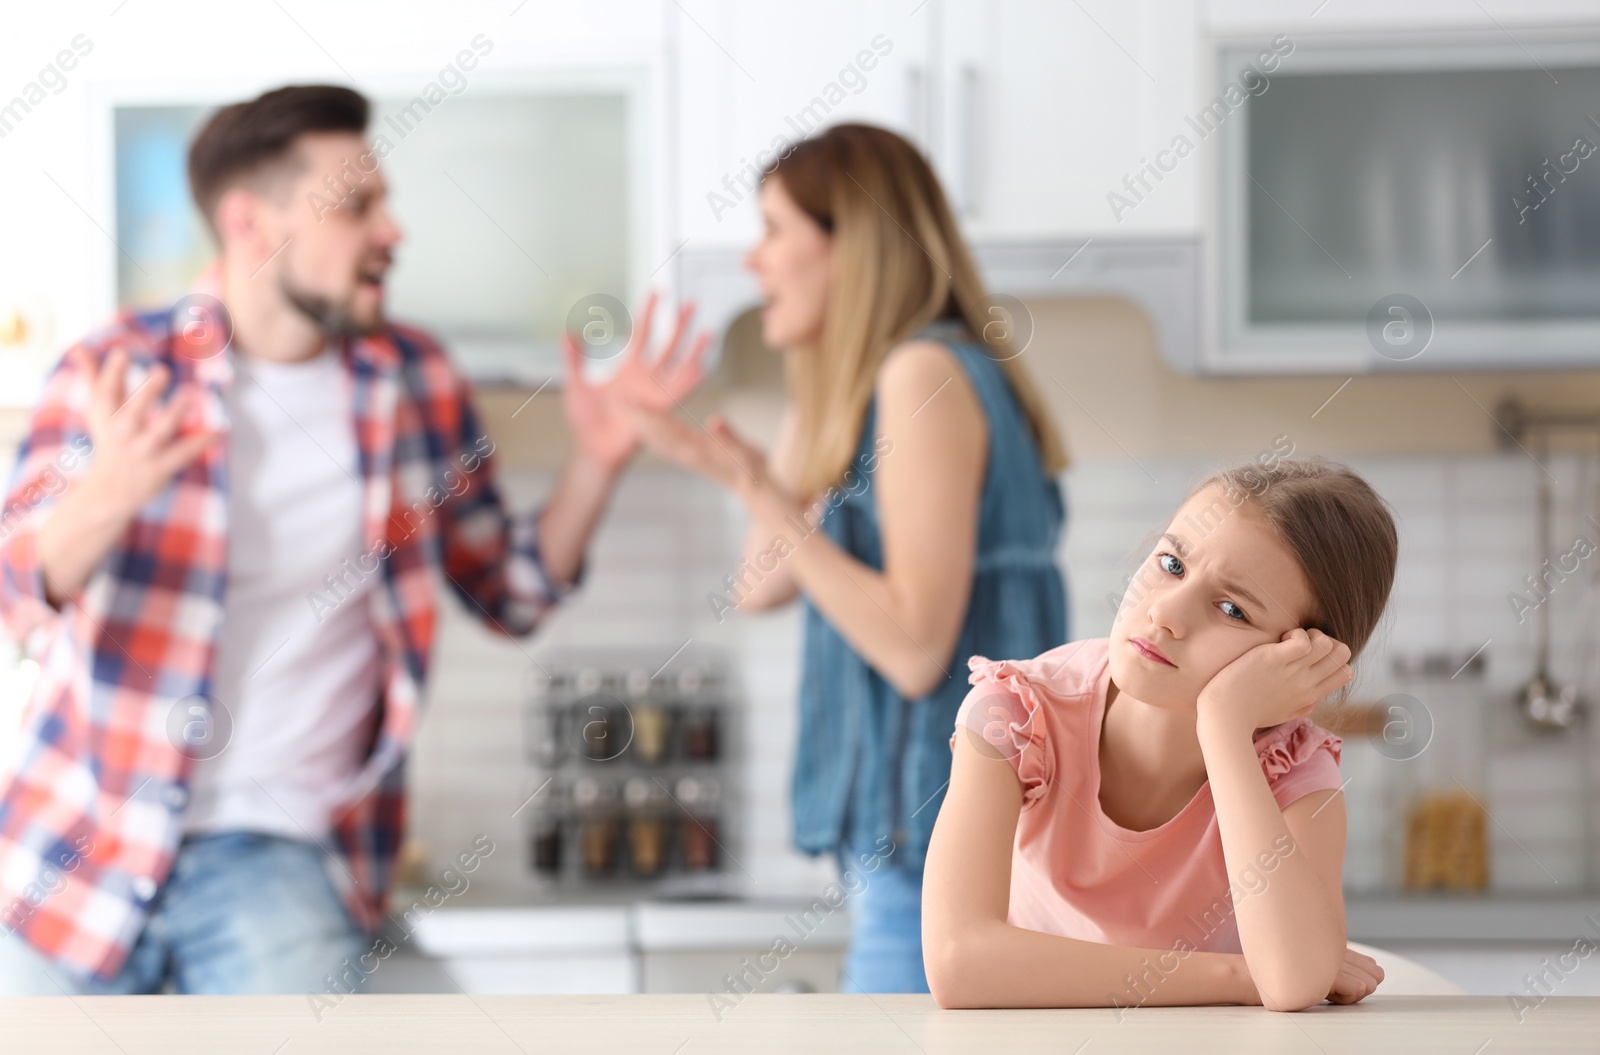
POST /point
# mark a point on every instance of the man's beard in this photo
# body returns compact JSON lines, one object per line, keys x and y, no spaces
{"x":332,"y":318}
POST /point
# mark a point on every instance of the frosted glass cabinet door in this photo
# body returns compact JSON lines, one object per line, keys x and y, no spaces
{"x":1399,"y":177}
{"x":526,"y":197}
{"x":515,"y":202}
{"x":1414,"y":207}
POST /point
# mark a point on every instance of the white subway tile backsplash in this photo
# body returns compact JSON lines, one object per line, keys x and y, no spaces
{"x":1423,"y":577}
{"x":1535,"y":867}
{"x":1552,"y":770}
{"x":1505,"y":531}
{"x":1496,"y":480}
{"x":1488,"y":577}
{"x":1097,"y":487}
{"x":1423,"y":534}
{"x":1404,"y":483}
{"x":1120,"y":535}
{"x":1418,"y":624}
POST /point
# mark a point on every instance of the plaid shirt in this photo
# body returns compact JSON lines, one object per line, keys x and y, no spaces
{"x":91,"y":807}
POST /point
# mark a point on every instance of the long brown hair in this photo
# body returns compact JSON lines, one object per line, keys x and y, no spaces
{"x":1339,"y":530}
{"x":899,"y":264}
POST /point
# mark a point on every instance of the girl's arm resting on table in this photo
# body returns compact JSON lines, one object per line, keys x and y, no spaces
{"x":1285,"y":866}
{"x":974,"y":958}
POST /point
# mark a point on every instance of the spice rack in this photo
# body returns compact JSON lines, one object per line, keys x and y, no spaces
{"x":635,"y":768}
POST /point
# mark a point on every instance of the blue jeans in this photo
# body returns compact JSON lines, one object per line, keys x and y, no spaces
{"x":885,"y":954}
{"x":239,"y":913}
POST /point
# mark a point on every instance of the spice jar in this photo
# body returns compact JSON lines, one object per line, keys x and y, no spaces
{"x":546,"y":732}
{"x":599,"y":721}
{"x":698,"y":835}
{"x":700,"y":734}
{"x":647,"y":830}
{"x":652,"y":724}
{"x":647,"y":846}
{"x":544,"y":844}
{"x":598,"y":827}
{"x":699,"y":839}
{"x":597,"y":844}
{"x":548,"y":828}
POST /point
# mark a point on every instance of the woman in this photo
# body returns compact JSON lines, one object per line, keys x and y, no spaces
{"x":910,"y":502}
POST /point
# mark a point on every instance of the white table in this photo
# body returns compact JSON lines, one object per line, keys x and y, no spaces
{"x":661,"y":1024}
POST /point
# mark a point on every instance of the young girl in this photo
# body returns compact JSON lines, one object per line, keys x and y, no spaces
{"x":1152,"y":818}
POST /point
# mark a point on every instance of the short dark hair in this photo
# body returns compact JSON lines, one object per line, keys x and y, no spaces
{"x":242,"y":139}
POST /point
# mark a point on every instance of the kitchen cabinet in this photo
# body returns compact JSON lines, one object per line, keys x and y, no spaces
{"x":557,"y":949}
{"x":712,"y":948}
{"x":1326,"y":253}
{"x":1034,"y":112}
{"x":647,"y":946}
{"x":751,"y":78}
{"x":529,"y":140}
{"x":1272,"y":16}
{"x":1046,"y":109}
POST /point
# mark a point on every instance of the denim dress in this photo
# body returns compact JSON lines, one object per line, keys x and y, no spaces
{"x":872,"y":766}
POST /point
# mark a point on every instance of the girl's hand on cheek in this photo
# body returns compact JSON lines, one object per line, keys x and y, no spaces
{"x":1275,"y":682}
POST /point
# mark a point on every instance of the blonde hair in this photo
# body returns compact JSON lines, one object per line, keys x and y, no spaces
{"x":899,"y":264}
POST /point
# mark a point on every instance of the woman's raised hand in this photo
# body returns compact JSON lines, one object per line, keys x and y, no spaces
{"x":598,"y":413}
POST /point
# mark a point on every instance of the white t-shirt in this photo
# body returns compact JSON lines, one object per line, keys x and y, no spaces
{"x":300,"y":689}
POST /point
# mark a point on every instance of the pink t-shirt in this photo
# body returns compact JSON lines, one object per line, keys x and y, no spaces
{"x":1077,"y":873}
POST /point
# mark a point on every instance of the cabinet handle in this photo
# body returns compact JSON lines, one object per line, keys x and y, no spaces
{"x":968,"y":163}
{"x":917,"y":104}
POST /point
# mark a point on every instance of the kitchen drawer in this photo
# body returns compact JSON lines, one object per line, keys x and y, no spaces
{"x":729,"y":971}
{"x":559,"y":974}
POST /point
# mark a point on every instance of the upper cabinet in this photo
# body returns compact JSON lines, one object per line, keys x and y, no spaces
{"x":1042,"y":118}
{"x":1348,"y":186}
{"x":1402,"y":201}
{"x":1050,"y":115}
{"x":1364,"y":16}
{"x":753,"y":79}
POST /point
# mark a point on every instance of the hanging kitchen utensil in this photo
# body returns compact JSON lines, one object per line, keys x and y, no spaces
{"x":1545,"y":706}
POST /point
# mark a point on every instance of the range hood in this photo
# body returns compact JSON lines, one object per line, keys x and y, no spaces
{"x":1160,"y":275}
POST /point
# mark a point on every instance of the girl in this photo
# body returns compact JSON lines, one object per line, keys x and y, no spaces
{"x":1126,"y":816}
{"x":910,"y":503}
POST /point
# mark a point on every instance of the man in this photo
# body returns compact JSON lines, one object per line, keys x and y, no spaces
{"x":232,"y":598}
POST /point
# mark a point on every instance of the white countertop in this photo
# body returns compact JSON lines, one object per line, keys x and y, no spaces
{"x":713,"y":924}
{"x":647,"y":926}
{"x":1386,"y":919}
{"x":775,"y":1024}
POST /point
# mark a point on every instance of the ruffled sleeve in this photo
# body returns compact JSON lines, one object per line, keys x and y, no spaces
{"x":1006,"y":709}
{"x":1299,"y":757}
